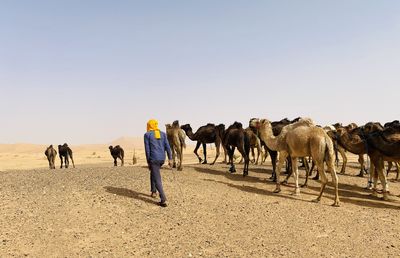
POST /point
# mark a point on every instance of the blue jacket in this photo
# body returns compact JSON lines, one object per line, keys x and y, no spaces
{"x":156,"y":148}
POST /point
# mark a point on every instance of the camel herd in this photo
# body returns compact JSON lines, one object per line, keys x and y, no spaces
{"x":301,"y":138}
{"x":285,"y":141}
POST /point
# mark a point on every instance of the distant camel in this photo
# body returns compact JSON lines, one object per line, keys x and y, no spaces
{"x":176,"y":138}
{"x":117,"y":153}
{"x":51,"y":154}
{"x":65,"y":152}
{"x":236,"y":137}
{"x":205,"y":134}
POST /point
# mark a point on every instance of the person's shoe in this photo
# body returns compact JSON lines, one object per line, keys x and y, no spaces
{"x":153,"y":195}
{"x":163,"y":204}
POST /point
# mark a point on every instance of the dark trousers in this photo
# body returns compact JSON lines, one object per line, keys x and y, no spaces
{"x":155,"y":178}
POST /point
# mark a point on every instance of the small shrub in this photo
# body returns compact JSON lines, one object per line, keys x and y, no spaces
{"x":134,"y":159}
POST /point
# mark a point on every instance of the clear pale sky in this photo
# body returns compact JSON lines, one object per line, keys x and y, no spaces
{"x":92,"y":71}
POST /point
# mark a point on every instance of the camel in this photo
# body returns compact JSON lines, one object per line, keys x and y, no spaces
{"x":236,"y":137}
{"x":205,"y":134}
{"x":176,"y":138}
{"x":383,"y":145}
{"x":355,"y":144}
{"x":276,"y":128}
{"x":51,"y":154}
{"x":117,"y":153}
{"x":302,"y":139}
{"x":65,"y":152}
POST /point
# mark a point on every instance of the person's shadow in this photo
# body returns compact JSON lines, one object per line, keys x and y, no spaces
{"x":130,"y":194}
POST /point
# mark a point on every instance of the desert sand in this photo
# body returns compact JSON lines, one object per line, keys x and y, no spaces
{"x":97,"y":210}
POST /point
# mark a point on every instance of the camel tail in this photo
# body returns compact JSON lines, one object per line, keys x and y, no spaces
{"x":72,"y":158}
{"x":329,"y":151}
{"x":182,"y":139}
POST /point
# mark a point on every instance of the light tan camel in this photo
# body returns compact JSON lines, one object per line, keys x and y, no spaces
{"x":176,"y":138}
{"x":255,"y":143}
{"x":302,"y":139}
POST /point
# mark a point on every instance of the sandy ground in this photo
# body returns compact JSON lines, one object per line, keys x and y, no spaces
{"x":97,"y":210}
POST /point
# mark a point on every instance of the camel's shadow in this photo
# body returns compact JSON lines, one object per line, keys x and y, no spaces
{"x":232,"y":176}
{"x":129,"y":193}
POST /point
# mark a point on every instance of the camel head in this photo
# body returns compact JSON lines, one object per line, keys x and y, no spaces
{"x":372,"y":127}
{"x":175,"y":124}
{"x":264,"y":123}
{"x":393,"y":123}
{"x":351,"y":126}
{"x":254,"y":123}
{"x":186,"y":127}
{"x":168,"y":126}
{"x":110,"y":147}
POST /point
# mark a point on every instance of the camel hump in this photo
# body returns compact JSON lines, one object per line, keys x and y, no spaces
{"x":210,"y":124}
{"x":175,"y":123}
{"x":329,"y":128}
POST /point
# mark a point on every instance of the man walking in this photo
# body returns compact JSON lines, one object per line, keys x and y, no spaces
{"x":156,"y":144}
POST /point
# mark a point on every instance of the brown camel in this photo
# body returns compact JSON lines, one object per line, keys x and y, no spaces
{"x":51,"y":154}
{"x":390,"y":164}
{"x":355,"y":144}
{"x":236,"y":137}
{"x":65,"y":152}
{"x":117,"y":153}
{"x":255,"y":143}
{"x":302,"y":139}
{"x":176,"y":138}
{"x":205,"y":134}
{"x":383,"y":145}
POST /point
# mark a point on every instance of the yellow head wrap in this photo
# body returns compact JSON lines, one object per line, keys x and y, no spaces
{"x":152,"y":125}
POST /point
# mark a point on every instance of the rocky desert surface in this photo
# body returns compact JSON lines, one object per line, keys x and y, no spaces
{"x":97,"y":210}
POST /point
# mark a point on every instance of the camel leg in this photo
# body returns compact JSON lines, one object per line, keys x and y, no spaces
{"x":361,"y":161}
{"x":122,"y":161}
{"x":66,"y":161}
{"x":307,"y":168}
{"x":246,"y":159}
{"x":217,"y":146}
{"x":390,"y":165}
{"x":274,"y":157}
{"x":371,"y":174}
{"x":295,"y":172}
{"x":398,"y":170}
{"x":72,"y":159}
{"x":195,"y":151}
{"x":382,"y":178}
{"x":282,"y":157}
{"x":335,"y":180}
{"x":179,"y":154}
{"x":316,"y":177}
{"x":259,"y":152}
{"x":324,"y":180}
{"x":115,"y":161}
{"x":61,"y":159}
{"x":344,"y":157}
{"x":205,"y":153}
{"x":231,"y":151}
{"x":374,"y":174}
